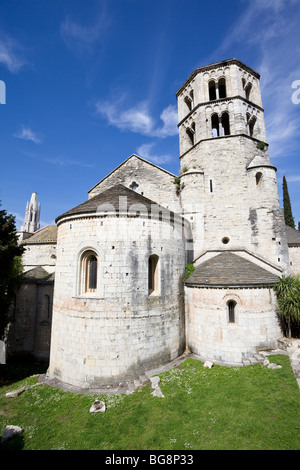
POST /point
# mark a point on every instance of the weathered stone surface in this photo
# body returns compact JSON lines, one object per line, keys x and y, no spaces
{"x":10,"y":431}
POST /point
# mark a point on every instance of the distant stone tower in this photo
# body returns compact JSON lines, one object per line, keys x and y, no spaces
{"x":32,"y":215}
{"x":228,"y":186}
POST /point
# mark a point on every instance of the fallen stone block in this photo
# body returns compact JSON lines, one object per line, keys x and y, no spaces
{"x":98,"y":407}
{"x":208,"y":364}
{"x":274,"y":366}
{"x":10,"y":431}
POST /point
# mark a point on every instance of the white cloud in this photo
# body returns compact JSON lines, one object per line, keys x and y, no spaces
{"x":10,"y":54}
{"x":27,"y":134}
{"x":81,"y":38}
{"x":138,"y":118}
{"x":271,"y":29}
{"x":145,"y":151}
{"x":58,"y":160}
{"x":169,"y":118}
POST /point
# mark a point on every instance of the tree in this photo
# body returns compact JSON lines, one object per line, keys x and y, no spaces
{"x":287,"y":291}
{"x":299,"y":225}
{"x":10,"y":267}
{"x":287,"y":207}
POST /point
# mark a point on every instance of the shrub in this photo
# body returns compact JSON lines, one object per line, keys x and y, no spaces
{"x":288,"y":300}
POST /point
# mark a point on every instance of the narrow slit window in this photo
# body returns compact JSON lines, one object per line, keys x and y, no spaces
{"x":258,"y":178}
{"x":231,"y":306}
{"x":153,"y":274}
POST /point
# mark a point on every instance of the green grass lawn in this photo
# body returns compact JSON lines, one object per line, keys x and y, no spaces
{"x":251,"y":408}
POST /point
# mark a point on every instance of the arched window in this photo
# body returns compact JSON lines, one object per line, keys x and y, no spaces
{"x":189,"y":100}
{"x":231,"y":306}
{"x":225,"y":124}
{"x":220,"y":125}
{"x":222,"y":88}
{"x":251,"y":121}
{"x":153,"y":275}
{"x":212,"y":90}
{"x":215,"y":125}
{"x":248,"y":91}
{"x":89,"y":272}
{"x":217,"y":90}
{"x":190,"y":131}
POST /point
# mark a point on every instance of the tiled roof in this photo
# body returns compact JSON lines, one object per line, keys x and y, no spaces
{"x":111,"y":199}
{"x":46,"y":234}
{"x":293,"y":236}
{"x":38,"y":275}
{"x":228,"y":269}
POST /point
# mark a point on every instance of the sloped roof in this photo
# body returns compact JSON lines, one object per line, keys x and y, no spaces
{"x":230,"y":270}
{"x":215,"y":65}
{"x":259,"y":161}
{"x":38,"y":275}
{"x":47,"y":234}
{"x":133,"y":156}
{"x":111,"y":199}
{"x":293,"y":236}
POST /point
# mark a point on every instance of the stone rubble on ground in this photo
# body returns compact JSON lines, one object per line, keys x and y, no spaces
{"x":208,"y":364}
{"x":98,"y":407}
{"x":157,"y":391}
{"x":16,"y":393}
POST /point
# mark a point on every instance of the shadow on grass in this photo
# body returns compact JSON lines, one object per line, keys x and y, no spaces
{"x":17,"y":369}
{"x":14,"y":443}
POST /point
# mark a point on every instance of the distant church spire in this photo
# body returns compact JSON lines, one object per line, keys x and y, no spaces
{"x":32,"y":215}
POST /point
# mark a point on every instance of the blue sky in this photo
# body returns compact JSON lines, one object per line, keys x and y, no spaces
{"x":89,"y":83}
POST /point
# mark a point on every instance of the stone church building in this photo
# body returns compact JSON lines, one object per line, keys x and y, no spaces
{"x":120,"y":303}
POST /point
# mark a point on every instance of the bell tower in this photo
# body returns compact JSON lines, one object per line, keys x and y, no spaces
{"x":229,"y":187}
{"x":32,"y":215}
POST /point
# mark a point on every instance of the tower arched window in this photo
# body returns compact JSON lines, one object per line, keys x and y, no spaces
{"x":212,"y":90}
{"x":225,"y":124}
{"x":189,"y":100}
{"x":190,"y":131}
{"x":251,"y":121}
{"x":222,"y":88}
{"x":217,"y":90}
{"x":231,"y":310}
{"x":153,"y":274}
{"x":89,"y":272}
{"x":220,"y":125}
{"x":215,"y":125}
{"x":248,"y":88}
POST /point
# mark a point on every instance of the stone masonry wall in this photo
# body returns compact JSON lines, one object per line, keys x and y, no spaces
{"x":154,"y":183}
{"x":211,"y":336}
{"x":120,"y":331}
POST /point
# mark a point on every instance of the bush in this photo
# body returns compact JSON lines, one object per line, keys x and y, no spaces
{"x":189,"y":269}
{"x":288,"y":300}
